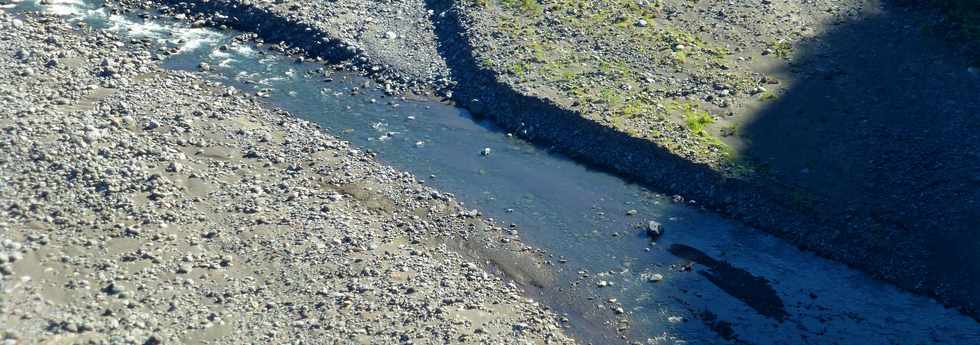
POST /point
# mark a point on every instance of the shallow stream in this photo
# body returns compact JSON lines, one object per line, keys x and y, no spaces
{"x":721,"y":282}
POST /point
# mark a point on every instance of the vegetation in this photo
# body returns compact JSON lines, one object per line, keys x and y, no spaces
{"x":615,"y":88}
{"x":526,"y":6}
{"x":697,"y":120}
{"x":781,"y":49}
{"x":768,"y":96}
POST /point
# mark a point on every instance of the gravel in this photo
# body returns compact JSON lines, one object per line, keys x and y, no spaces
{"x":133,"y":212}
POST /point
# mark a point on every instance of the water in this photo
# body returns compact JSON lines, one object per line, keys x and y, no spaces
{"x":722,"y":282}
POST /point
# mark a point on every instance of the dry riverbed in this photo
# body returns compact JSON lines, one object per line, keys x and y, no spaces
{"x":139,"y":205}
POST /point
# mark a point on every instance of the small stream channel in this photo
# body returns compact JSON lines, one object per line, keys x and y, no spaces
{"x":721,"y":282}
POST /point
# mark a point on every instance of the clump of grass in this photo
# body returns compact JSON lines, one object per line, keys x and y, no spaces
{"x":717,"y":54}
{"x":680,"y":57}
{"x":520,"y":69}
{"x":567,"y":74}
{"x":613,"y":98}
{"x":768,"y":96}
{"x":537,"y":51}
{"x":697,"y":120}
{"x":633,"y":109}
{"x":781,"y":49}
{"x":526,"y":6}
{"x":673,"y":38}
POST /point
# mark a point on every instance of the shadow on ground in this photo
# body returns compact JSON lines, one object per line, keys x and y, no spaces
{"x":872,"y":152}
{"x":752,"y":290}
{"x":882,"y":120}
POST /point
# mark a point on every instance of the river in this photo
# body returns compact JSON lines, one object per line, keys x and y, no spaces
{"x":706,"y":280}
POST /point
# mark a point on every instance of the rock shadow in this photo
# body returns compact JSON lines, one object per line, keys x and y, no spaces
{"x":752,"y":290}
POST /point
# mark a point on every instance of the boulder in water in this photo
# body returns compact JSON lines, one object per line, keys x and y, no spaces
{"x":654,"y":229}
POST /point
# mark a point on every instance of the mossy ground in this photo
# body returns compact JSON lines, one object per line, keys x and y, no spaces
{"x":621,"y":63}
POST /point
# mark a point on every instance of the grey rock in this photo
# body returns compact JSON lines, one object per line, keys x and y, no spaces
{"x":654,"y":229}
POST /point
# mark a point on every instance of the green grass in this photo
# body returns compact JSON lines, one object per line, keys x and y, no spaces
{"x":781,"y":49}
{"x":612,"y":87}
{"x":613,"y":98}
{"x":567,"y":74}
{"x":697,"y":120}
{"x":674,"y":37}
{"x":520,"y":69}
{"x":768,"y":96}
{"x":634,"y":109}
{"x":527,"y":6}
{"x":680,"y":57}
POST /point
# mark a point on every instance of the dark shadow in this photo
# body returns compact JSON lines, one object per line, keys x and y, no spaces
{"x":912,"y":250}
{"x":752,"y":290}
{"x":894,"y":122}
{"x":882,"y":118}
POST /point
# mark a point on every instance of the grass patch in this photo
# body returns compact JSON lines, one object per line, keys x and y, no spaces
{"x":768,"y":96}
{"x":520,"y":69}
{"x":611,"y":87}
{"x":613,"y":98}
{"x":697,"y":120}
{"x":680,"y":57}
{"x":673,"y":38}
{"x":526,"y":6}
{"x":781,"y":49}
{"x":567,"y":74}
{"x":634,"y":109}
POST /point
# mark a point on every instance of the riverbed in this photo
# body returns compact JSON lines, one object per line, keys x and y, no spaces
{"x":706,"y":279}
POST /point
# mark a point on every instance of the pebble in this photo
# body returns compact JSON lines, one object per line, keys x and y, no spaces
{"x":150,"y":257}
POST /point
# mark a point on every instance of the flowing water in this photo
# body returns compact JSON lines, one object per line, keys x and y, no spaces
{"x":721,"y":282}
